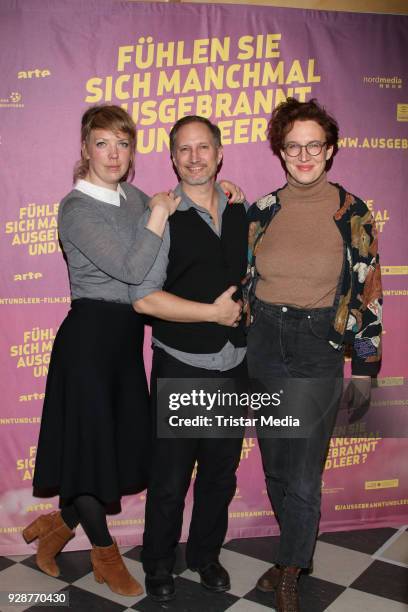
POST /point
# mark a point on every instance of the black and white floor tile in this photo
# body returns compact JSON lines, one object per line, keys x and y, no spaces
{"x":355,"y":571}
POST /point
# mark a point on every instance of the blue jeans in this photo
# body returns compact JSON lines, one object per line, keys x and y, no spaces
{"x":286,"y":342}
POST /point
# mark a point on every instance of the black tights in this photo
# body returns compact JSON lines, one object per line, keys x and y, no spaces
{"x":90,"y":512}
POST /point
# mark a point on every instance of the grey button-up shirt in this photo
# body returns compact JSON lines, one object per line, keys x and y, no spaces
{"x":229,"y":356}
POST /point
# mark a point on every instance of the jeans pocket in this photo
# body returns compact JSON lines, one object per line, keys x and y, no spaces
{"x":319,"y":325}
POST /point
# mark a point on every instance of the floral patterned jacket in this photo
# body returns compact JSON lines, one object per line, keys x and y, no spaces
{"x":357,"y":320}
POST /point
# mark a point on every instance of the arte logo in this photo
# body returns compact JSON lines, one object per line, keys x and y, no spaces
{"x":402,"y":112}
{"x":382,"y":82}
{"x":12,"y":101}
{"x":37,"y":73}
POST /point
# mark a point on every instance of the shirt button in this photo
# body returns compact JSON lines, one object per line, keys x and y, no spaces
{"x":284,"y":309}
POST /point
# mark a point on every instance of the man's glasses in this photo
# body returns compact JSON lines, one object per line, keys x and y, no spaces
{"x":293,"y":149}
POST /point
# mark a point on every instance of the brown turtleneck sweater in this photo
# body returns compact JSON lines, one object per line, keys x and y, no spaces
{"x":301,"y":255}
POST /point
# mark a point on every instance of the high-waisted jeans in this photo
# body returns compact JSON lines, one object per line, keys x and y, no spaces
{"x":286,"y":342}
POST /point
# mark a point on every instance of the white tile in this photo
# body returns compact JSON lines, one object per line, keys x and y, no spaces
{"x":244,"y":571}
{"x":397,"y":551}
{"x":88,"y":583}
{"x":189,"y":575}
{"x":352,"y":600}
{"x":243,"y":605}
{"x":339,"y":565}
{"x":17,"y":558}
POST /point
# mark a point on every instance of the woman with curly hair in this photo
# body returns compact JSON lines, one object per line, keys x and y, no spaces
{"x":315,"y":287}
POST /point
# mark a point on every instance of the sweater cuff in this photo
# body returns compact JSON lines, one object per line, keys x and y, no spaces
{"x":149,"y":245}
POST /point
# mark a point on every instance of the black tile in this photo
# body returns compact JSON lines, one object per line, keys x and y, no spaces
{"x":264,"y":599}
{"x":5,"y":563}
{"x":315,"y":594}
{"x":190,"y":596}
{"x":134,"y":553}
{"x":385,"y":580}
{"x":73,"y":565}
{"x":364,"y":540}
{"x":83,"y":601}
{"x":180,"y":565}
{"x":265,"y":548}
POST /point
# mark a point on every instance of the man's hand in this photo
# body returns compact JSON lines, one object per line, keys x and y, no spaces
{"x":234,"y":193}
{"x":227,"y":312}
{"x":357,"y":397}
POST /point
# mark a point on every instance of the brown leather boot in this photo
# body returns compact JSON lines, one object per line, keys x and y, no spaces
{"x":52,"y":534}
{"x":108,"y":566}
{"x":269,"y":581}
{"x":287,"y":597}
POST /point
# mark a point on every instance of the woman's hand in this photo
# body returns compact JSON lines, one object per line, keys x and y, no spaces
{"x":167,"y":201}
{"x":227,"y":312}
{"x":234,"y":193}
{"x":162,"y":206}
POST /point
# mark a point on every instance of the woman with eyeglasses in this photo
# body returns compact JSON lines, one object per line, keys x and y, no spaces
{"x":315,"y":286}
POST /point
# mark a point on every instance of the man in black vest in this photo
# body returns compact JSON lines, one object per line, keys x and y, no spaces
{"x":197,"y":333}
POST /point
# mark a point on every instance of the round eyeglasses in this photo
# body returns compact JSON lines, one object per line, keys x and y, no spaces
{"x":293,"y":149}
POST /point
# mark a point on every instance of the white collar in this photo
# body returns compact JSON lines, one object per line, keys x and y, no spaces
{"x":101,"y":193}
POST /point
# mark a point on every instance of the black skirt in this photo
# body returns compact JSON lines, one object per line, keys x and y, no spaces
{"x":95,"y":435}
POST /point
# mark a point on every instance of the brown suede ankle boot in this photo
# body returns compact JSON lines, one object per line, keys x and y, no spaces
{"x":108,"y":566}
{"x":52,"y":534}
{"x":269,"y":581}
{"x":287,"y":597}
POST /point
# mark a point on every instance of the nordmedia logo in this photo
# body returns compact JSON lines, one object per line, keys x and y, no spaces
{"x":402,"y":112}
{"x":14,"y":100}
{"x":383,"y":82}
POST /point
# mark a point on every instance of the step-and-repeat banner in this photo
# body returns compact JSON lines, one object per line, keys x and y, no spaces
{"x":233,"y":64}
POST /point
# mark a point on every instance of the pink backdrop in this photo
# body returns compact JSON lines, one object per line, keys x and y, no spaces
{"x":234,"y":64}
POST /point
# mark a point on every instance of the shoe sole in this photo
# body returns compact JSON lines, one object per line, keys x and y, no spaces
{"x":219,"y":589}
{"x":161,"y":598}
{"x":265,"y":590}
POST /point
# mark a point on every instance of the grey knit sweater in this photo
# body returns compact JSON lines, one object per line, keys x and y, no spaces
{"x":106,"y":247}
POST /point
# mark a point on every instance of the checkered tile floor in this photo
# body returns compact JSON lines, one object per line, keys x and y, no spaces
{"x":355,"y":571}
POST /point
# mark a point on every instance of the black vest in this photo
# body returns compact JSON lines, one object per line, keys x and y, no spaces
{"x":201,"y":266}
